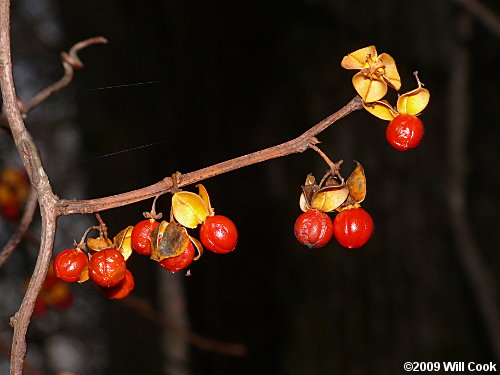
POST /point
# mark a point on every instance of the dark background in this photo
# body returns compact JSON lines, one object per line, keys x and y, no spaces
{"x":221,"y":79}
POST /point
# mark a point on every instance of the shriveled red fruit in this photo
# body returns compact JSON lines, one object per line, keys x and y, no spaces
{"x":179,"y":262}
{"x":219,"y":234}
{"x":122,"y":289}
{"x":140,"y":236}
{"x":353,"y":227}
{"x":404,"y":132}
{"x":69,"y":264}
{"x":313,"y":228}
{"x":107,"y":267}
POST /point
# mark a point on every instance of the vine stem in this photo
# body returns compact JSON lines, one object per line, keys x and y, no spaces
{"x":296,"y":145}
{"x":51,"y":207}
{"x":17,"y":236}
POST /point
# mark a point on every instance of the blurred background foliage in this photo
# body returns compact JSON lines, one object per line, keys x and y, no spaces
{"x":183,"y":85}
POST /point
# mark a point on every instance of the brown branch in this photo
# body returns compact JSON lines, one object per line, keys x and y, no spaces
{"x":4,"y":349}
{"x":201,"y":342}
{"x":70,"y":62}
{"x":297,"y":145}
{"x":485,"y":15}
{"x":40,"y":182}
{"x":17,"y":236}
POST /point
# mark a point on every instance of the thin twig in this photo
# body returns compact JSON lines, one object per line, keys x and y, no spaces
{"x":17,"y":236}
{"x":40,"y":182}
{"x":485,"y":15}
{"x":331,"y":164}
{"x":70,"y":62}
{"x":297,"y":145}
{"x":201,"y":342}
{"x":4,"y":349}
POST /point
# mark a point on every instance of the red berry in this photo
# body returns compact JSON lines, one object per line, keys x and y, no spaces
{"x":353,"y":227}
{"x":107,"y":267}
{"x":40,"y":308}
{"x":122,"y":289}
{"x":219,"y":234}
{"x":140,"y":236}
{"x":313,"y":228}
{"x":179,"y":262}
{"x":11,"y":211}
{"x":404,"y":132}
{"x":69,"y":264}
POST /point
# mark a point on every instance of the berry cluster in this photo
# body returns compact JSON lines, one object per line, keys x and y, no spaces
{"x":168,"y":243}
{"x":352,"y":226}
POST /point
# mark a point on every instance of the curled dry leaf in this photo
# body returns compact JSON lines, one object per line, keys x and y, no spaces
{"x":198,"y":246}
{"x":123,"y":241}
{"x":326,"y":198}
{"x":189,"y":209}
{"x":168,"y":240}
{"x":370,"y":88}
{"x":99,"y":243}
{"x":381,"y":109}
{"x":391,"y":74}
{"x":356,"y":184}
{"x":329,"y":198}
{"x":413,"y":102}
{"x":375,"y":73}
{"x":84,"y":276}
{"x":357,"y":59}
{"x":206,"y":199}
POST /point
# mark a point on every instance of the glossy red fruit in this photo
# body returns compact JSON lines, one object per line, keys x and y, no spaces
{"x":140,"y":236}
{"x":179,"y":262}
{"x":219,"y":234}
{"x":313,"y":228}
{"x":122,"y":289}
{"x":404,"y":132}
{"x":353,"y":227}
{"x":69,"y":264}
{"x":107,"y":267}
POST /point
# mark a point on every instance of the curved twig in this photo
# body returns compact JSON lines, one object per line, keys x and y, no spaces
{"x":485,"y":15}
{"x":296,"y":145}
{"x":39,"y":181}
{"x":17,"y":236}
{"x":70,"y":61}
{"x":201,"y":342}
